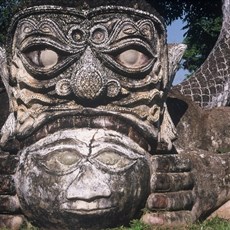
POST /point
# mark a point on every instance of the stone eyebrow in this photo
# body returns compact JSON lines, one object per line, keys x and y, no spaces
{"x":121,"y":144}
{"x":64,"y":142}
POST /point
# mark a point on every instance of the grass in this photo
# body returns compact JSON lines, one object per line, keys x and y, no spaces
{"x":134,"y":225}
{"x":213,"y":224}
{"x":223,"y":150}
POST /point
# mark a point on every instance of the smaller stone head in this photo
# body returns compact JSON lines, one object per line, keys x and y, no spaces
{"x":94,"y":180}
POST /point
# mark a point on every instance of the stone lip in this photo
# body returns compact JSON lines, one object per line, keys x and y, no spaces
{"x":81,"y":207}
{"x":141,"y":132}
{"x":100,"y":206}
{"x":89,"y":212}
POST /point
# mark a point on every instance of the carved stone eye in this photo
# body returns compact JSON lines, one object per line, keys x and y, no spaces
{"x":44,"y":58}
{"x":61,"y":160}
{"x":67,"y":158}
{"x":132,"y":59}
{"x":114,"y":161}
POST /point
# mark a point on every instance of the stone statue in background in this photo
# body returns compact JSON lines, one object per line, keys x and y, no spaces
{"x":209,"y":85}
{"x":89,"y":128}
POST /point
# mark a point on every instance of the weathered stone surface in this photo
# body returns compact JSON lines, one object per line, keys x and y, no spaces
{"x":12,"y":222}
{"x":68,"y":187}
{"x":8,"y":163}
{"x":187,"y":118}
{"x":210,"y":173}
{"x":216,"y":130}
{"x":9,"y":204}
{"x":222,"y":212}
{"x":197,"y":128}
{"x":7,"y":185}
{"x":4,"y":110}
{"x":87,"y":104}
{"x":91,"y":127}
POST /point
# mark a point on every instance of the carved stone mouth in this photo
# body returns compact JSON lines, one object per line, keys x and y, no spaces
{"x":87,"y":208}
{"x":143,"y":134}
{"x":89,"y":211}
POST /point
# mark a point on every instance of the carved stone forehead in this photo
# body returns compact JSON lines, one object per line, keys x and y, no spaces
{"x":84,"y":5}
{"x":79,"y":26}
{"x":66,"y":17}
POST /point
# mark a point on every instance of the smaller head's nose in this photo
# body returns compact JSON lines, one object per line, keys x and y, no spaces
{"x":90,"y":185}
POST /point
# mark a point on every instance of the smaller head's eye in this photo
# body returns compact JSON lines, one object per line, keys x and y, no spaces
{"x":44,"y":58}
{"x":113,"y":160}
{"x":61,"y":160}
{"x":132,"y":59}
{"x":67,"y":158}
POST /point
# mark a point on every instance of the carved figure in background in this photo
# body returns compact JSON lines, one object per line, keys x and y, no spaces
{"x":209,"y":85}
{"x":87,"y":85}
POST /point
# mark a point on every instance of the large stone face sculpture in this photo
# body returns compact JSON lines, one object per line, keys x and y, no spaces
{"x":86,"y":89}
{"x":89,"y":125}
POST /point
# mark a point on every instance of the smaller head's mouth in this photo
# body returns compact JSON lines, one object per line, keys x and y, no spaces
{"x":143,"y":134}
{"x":81,"y":207}
{"x":84,"y":212}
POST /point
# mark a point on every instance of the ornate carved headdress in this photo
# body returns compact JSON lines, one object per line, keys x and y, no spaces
{"x":87,"y":63}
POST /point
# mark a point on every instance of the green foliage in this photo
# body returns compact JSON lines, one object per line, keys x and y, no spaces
{"x":28,"y":226}
{"x":199,"y":46}
{"x":213,"y":224}
{"x":7,"y":8}
{"x":134,"y":225}
{"x":223,"y":150}
{"x":202,"y":25}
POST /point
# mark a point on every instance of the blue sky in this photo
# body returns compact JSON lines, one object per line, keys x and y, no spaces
{"x":175,"y":35}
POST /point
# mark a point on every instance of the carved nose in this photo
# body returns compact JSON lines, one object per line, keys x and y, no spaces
{"x":88,"y":83}
{"x":90,"y":185}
